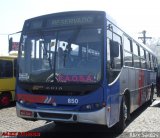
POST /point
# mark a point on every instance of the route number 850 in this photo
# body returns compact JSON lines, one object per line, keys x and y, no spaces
{"x":72,"y":101}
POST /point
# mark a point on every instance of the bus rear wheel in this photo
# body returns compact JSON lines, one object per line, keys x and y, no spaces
{"x":4,"y":100}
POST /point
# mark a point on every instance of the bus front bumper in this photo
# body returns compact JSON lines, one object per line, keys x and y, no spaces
{"x":95,"y":117}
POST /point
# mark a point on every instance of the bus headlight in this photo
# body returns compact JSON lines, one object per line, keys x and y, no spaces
{"x":88,"y":107}
{"x":26,"y":103}
{"x":21,"y":101}
{"x":92,"y":107}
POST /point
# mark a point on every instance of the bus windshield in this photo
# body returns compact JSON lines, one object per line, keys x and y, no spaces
{"x":61,"y":56}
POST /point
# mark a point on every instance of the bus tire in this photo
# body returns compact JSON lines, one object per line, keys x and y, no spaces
{"x":127,"y":100}
{"x":121,"y":125}
{"x":5,"y":99}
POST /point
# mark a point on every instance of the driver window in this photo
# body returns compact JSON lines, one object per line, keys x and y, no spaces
{"x":114,"y":57}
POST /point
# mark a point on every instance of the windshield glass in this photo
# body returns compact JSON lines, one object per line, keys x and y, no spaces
{"x":61,"y":56}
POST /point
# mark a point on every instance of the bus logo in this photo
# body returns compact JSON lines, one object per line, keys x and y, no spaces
{"x":49,"y":100}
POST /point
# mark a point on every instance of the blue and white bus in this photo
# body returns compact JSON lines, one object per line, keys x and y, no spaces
{"x":80,"y":67}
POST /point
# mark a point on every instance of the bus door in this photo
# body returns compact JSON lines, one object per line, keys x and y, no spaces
{"x":114,"y":65}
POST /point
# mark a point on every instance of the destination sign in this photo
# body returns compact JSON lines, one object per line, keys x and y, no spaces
{"x":59,"y":21}
{"x":36,"y":24}
{"x":71,"y":21}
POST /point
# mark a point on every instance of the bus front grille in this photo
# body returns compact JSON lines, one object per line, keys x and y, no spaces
{"x":55,"y":115}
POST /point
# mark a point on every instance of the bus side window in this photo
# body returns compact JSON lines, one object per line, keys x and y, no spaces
{"x":114,"y":60}
{"x":114,"y":53}
{"x":128,"y":56}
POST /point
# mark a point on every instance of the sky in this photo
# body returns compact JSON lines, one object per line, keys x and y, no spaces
{"x":133,"y":16}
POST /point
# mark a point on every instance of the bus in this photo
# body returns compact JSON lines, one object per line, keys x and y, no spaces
{"x":7,"y":79}
{"x":80,"y":67}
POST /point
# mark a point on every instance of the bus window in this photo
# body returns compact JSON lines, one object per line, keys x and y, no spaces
{"x":114,"y":62}
{"x":147,"y":59}
{"x":128,"y":56}
{"x":151,"y":62}
{"x":127,"y":44}
{"x":6,"y":69}
{"x":128,"y":59}
{"x":61,"y":55}
{"x":135,"y":49}
{"x":136,"y":58}
{"x":142,"y":55}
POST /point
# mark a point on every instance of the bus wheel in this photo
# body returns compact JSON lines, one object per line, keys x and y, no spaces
{"x":120,"y":126}
{"x":4,"y":100}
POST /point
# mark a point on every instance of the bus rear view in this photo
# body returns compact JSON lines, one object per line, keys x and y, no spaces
{"x":61,"y":68}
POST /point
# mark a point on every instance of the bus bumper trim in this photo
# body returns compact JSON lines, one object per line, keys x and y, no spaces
{"x":95,"y":117}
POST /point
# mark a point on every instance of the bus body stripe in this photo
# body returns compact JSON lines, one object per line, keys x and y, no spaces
{"x":45,"y":101}
{"x":31,"y":98}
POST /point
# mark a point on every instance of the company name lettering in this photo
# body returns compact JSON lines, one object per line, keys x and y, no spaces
{"x":75,"y":78}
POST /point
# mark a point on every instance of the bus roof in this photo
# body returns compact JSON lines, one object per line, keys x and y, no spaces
{"x":69,"y":13}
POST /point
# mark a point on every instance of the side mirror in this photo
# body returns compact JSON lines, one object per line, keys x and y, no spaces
{"x":114,"y":49}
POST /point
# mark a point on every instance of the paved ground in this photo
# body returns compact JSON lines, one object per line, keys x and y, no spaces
{"x":10,"y":122}
{"x":145,"y":123}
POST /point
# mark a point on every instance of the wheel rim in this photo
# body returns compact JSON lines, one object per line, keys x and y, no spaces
{"x":5,"y":101}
